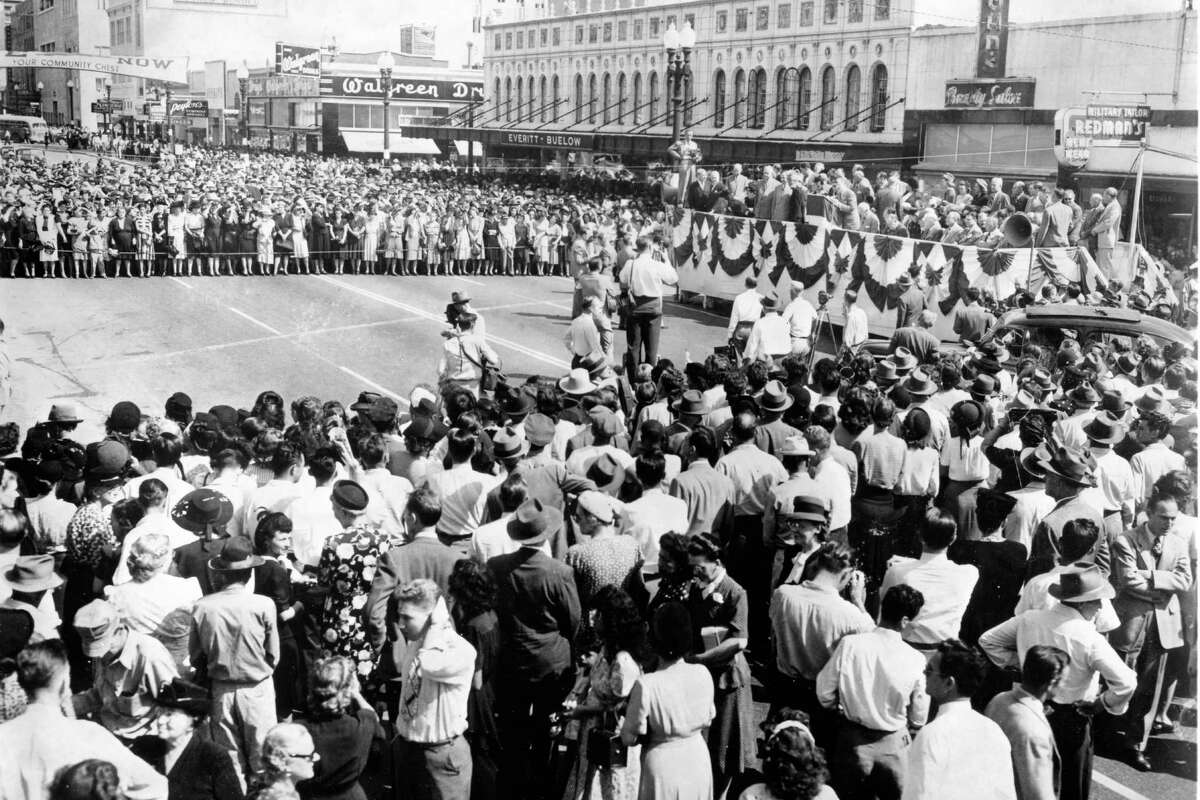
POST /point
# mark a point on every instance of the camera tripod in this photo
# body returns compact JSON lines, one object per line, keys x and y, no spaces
{"x":822,"y":321}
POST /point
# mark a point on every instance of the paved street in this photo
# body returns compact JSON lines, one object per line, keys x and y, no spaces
{"x":225,"y":339}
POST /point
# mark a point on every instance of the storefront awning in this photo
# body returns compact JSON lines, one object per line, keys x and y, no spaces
{"x":372,"y":142}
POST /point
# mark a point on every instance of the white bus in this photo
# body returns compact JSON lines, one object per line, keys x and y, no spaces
{"x":23,"y":128}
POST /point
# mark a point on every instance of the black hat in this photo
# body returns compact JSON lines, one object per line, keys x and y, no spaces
{"x":186,"y":696}
{"x":364,"y":401}
{"x":202,"y":508}
{"x":349,"y":496}
{"x":179,"y":400}
{"x":518,"y":404}
{"x":125,"y":417}
{"x":534,"y":522}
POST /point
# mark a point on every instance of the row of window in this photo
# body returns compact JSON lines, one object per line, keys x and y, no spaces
{"x":527,"y":100}
{"x":625,"y":30}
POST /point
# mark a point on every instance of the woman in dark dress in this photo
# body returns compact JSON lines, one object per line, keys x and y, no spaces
{"x":1001,"y":565}
{"x":473,"y":592}
{"x":720,"y":612}
{"x":318,"y":238}
{"x":196,"y":768}
{"x":247,"y":246}
{"x":674,"y":571}
{"x":345,"y":730}
{"x":272,"y":578}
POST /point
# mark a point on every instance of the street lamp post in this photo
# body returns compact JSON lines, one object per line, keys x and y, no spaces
{"x":70,"y":100}
{"x":243,"y":79}
{"x":386,"y":64}
{"x":108,"y":104}
{"x":41,"y":87}
{"x":679,"y":46}
{"x":3,"y":97}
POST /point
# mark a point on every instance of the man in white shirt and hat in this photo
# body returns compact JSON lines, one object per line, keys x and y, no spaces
{"x":1076,"y":698}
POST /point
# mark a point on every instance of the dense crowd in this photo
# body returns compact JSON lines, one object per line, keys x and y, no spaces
{"x":211,"y":212}
{"x":949,"y":574}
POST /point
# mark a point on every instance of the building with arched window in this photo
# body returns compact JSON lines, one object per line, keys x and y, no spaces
{"x":761,"y":73}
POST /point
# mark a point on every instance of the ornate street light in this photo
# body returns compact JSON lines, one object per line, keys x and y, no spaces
{"x":386,"y":64}
{"x":243,"y":79}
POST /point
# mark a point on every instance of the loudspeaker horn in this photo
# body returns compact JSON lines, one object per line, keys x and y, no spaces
{"x":1018,"y":231}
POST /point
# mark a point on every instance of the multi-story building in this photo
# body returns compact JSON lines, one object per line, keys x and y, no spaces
{"x":978,"y":128}
{"x":772,"y":80}
{"x":21,"y":84}
{"x":69,"y":26}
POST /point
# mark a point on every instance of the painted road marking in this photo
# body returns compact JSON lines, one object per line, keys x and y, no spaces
{"x":468,"y":280}
{"x":1116,"y":788}
{"x":249,"y":318}
{"x":506,"y":343}
{"x":395,"y":395}
{"x":184,"y":284}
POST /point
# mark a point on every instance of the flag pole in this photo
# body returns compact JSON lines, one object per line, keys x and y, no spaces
{"x":1133,"y":221}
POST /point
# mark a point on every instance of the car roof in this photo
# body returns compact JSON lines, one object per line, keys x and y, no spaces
{"x":1118,"y":320}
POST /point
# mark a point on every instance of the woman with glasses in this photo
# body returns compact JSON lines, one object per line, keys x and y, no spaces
{"x":289,"y":756}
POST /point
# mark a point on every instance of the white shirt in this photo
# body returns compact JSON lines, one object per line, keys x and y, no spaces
{"x":156,"y":522}
{"x":831,"y":484}
{"x":921,"y":476}
{"x":1035,"y":596}
{"x":1032,"y":504}
{"x":274,"y":495}
{"x":177,"y":487}
{"x":160,"y":607}
{"x":945,"y":400}
{"x":800,"y":315}
{"x":1090,"y":655}
{"x":238,"y":487}
{"x":876,"y":680}
{"x":770,"y":336}
{"x":946,"y":587}
{"x":855,"y":332}
{"x":313,"y":523}
{"x":649,"y":517}
{"x":49,"y":517}
{"x":1070,"y":430}
{"x":964,"y":459}
{"x":1114,"y":480}
{"x":961,"y":755}
{"x":645,"y":276}
{"x":463,"y":493}
{"x":40,"y":742}
{"x":747,"y":307}
{"x":1151,"y":464}
{"x":492,"y":539}
{"x":391,"y":492}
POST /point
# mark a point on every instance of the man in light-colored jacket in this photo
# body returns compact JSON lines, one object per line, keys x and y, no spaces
{"x":1021,"y":715}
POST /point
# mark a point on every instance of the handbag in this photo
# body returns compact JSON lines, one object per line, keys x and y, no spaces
{"x":604,"y":746}
{"x":490,"y":375}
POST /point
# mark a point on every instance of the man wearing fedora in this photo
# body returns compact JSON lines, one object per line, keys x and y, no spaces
{"x":1115,"y":489}
{"x":910,"y":302}
{"x":1068,"y":473}
{"x":539,"y":611}
{"x":772,"y":431}
{"x":972,"y":320}
{"x":1076,"y":699}
{"x":1069,"y":430}
{"x":30,"y":579}
{"x":234,"y":647}
{"x":770,"y":337}
{"x":1151,"y":570}
{"x":129,"y":669}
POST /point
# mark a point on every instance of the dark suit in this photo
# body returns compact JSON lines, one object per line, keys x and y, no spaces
{"x":909,"y":306}
{"x":919,"y":341}
{"x":538,"y":606}
{"x":972,"y":322}
{"x":699,"y":197}
{"x":771,"y":202}
{"x":423,"y":557}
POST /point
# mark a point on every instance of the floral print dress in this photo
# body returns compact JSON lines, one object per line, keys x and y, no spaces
{"x":609,"y":683}
{"x":346,"y":568}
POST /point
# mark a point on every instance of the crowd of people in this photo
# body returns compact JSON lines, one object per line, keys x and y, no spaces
{"x":948,"y":574}
{"x":212,"y":212}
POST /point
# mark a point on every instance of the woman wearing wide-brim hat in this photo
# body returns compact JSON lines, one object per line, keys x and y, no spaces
{"x":204,"y":512}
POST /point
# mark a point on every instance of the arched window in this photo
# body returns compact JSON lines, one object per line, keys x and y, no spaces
{"x":592,"y":98}
{"x":508,"y":106}
{"x":533,"y":104}
{"x":827,"y":112}
{"x":757,"y":98}
{"x":719,"y":99}
{"x":739,"y":98}
{"x":879,"y":97}
{"x":621,"y":87}
{"x":497,"y":98}
{"x":579,"y":98}
{"x":637,"y":98}
{"x":853,"y":85}
{"x":608,"y":101}
{"x":519,"y":111}
{"x":804,"y":98}
{"x":545,"y":100}
{"x":554,"y":106}
{"x":653,"y":99}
